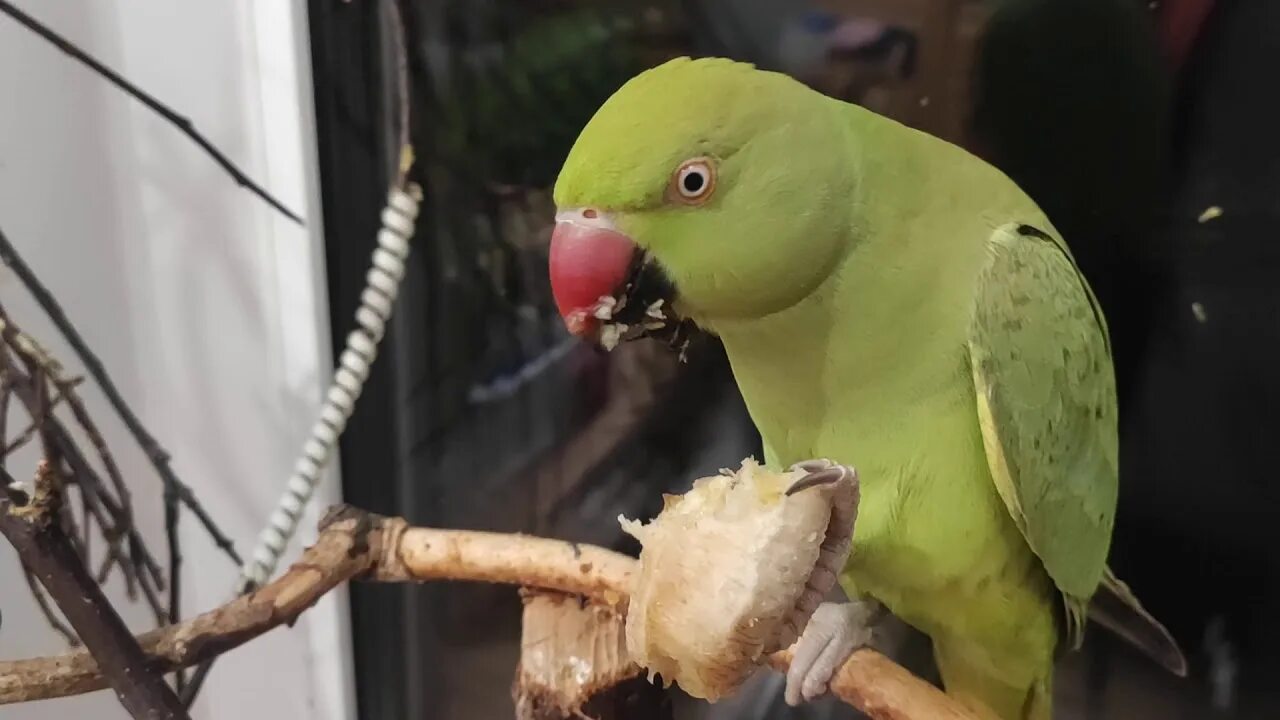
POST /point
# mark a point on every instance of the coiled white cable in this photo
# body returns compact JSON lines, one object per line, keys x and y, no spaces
{"x":376,"y":302}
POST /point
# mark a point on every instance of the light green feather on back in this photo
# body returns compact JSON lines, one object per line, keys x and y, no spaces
{"x":1045,"y":385}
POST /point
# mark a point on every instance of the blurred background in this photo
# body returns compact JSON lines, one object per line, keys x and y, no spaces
{"x":1144,"y":129}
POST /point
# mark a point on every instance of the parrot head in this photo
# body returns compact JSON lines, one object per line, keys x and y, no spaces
{"x":702,"y":190}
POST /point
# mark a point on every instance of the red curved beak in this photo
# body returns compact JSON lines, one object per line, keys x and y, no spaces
{"x":589,"y":260}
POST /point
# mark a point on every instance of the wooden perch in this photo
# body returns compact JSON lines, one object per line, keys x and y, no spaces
{"x":357,"y":545}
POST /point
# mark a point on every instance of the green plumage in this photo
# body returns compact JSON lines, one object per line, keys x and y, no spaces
{"x":893,"y":303}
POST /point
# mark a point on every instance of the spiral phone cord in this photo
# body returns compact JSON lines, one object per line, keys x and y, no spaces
{"x":376,"y":302}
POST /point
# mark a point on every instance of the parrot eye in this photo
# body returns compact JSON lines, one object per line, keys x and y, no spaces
{"x":694,"y":181}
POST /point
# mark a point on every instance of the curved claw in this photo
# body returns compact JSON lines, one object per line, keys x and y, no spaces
{"x":825,"y":476}
{"x":821,"y":471}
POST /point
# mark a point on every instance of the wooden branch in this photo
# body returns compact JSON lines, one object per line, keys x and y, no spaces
{"x":45,"y":550}
{"x":356,"y":545}
{"x":430,"y":554}
{"x":344,"y":550}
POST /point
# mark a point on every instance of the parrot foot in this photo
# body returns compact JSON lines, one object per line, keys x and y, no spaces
{"x":834,"y":550}
{"x":834,"y":632}
{"x":835,"y":629}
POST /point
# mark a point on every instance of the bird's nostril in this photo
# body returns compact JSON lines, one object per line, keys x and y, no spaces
{"x":590,"y":213}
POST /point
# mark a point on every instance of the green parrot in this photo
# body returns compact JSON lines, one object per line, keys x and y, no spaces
{"x":889,"y":301}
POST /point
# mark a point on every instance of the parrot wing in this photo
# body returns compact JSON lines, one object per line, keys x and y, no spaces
{"x":1045,"y":389}
{"x":1041,"y":365}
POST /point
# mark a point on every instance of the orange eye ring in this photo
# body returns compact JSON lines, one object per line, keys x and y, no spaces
{"x":693,"y":182}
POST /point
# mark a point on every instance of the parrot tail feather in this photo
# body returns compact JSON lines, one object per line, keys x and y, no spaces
{"x":1117,"y":609}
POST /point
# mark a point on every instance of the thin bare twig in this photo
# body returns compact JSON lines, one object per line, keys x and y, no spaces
{"x":67,"y":394}
{"x":124,"y":546}
{"x":171,"y":517}
{"x":158,"y":456}
{"x":150,"y":590}
{"x":37,"y":535}
{"x":6,"y":394}
{"x":20,"y":441}
{"x":30,"y":431}
{"x":66,"y":389}
{"x":183,"y":124}
{"x":50,"y":614}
